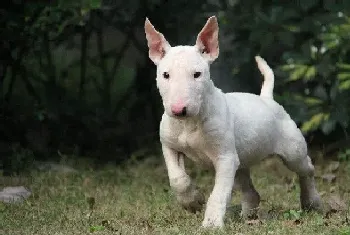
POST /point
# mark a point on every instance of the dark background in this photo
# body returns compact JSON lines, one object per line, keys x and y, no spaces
{"x":76,"y":79}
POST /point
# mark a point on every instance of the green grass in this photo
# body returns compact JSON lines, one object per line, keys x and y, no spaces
{"x":136,"y":199}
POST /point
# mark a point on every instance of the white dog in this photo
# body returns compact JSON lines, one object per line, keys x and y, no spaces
{"x":230,"y":131}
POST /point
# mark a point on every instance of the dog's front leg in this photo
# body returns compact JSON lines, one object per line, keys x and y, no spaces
{"x":226,"y":167}
{"x":186,"y":192}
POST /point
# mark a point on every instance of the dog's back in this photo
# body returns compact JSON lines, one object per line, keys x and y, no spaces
{"x":258,"y":125}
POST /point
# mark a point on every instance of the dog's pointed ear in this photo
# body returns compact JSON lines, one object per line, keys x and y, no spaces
{"x":157,"y":44}
{"x":207,"y":40}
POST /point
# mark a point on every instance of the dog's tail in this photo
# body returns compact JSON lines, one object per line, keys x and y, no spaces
{"x":269,"y":78}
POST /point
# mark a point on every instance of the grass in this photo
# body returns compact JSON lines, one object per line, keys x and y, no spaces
{"x":136,"y":199}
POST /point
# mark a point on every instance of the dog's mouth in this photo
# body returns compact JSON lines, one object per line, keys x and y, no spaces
{"x":182,"y":115}
{"x":179,"y":116}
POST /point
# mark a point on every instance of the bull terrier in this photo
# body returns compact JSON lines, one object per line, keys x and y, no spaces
{"x":230,"y":131}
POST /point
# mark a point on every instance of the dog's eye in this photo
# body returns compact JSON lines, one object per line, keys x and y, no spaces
{"x":197,"y":74}
{"x":166,"y":75}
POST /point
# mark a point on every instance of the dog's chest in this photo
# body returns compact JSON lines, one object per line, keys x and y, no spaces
{"x":191,"y":140}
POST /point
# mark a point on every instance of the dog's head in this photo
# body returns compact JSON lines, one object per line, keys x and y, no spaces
{"x":183,"y":71}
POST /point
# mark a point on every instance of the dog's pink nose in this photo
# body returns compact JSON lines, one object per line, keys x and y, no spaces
{"x":179,"y":109}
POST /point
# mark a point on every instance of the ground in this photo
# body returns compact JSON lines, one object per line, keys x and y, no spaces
{"x":136,"y":199}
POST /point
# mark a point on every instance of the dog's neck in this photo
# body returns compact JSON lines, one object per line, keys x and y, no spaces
{"x":212,"y":96}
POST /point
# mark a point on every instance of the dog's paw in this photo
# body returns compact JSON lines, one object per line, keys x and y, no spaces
{"x":212,"y":223}
{"x":192,"y":201}
{"x":313,"y":203}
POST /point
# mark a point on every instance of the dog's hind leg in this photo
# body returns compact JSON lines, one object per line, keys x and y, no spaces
{"x":250,"y":197}
{"x":292,"y":148}
{"x":186,"y":192}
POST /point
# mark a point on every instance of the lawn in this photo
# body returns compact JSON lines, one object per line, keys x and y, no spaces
{"x":136,"y":199}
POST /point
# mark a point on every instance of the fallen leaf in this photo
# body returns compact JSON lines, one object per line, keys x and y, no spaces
{"x":107,"y":225}
{"x":291,"y":187}
{"x":288,"y":180}
{"x":253,"y":215}
{"x":253,"y":222}
{"x":329,"y":178}
{"x":292,"y":223}
{"x":347,"y":220}
{"x":333,"y":189}
{"x":333,"y":166}
{"x":297,"y":222}
{"x":335,"y":204}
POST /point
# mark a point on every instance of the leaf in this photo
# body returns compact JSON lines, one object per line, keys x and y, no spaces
{"x":343,"y":66}
{"x":253,"y":222}
{"x":298,"y":72}
{"x":310,"y":73}
{"x":287,"y":67}
{"x":335,"y":204}
{"x":312,"y":101}
{"x":292,"y":223}
{"x":314,"y":122}
{"x":343,"y":76}
{"x":333,"y":166}
{"x":295,"y":214}
{"x":292,"y":215}
{"x":345,"y":85}
{"x":329,"y":178}
{"x":331,"y":40}
{"x":96,"y":228}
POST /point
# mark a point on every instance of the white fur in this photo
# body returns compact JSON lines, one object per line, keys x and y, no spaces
{"x":269,"y":78}
{"x":229,"y":131}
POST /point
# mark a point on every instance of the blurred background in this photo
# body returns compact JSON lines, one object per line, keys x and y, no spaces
{"x":76,"y":80}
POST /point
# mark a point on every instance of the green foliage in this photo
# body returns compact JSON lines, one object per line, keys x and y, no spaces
{"x":320,"y":67}
{"x":308,"y":43}
{"x":344,"y":155}
{"x":292,"y":215}
{"x":96,"y":228}
{"x":66,"y":70}
{"x":344,"y":231}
